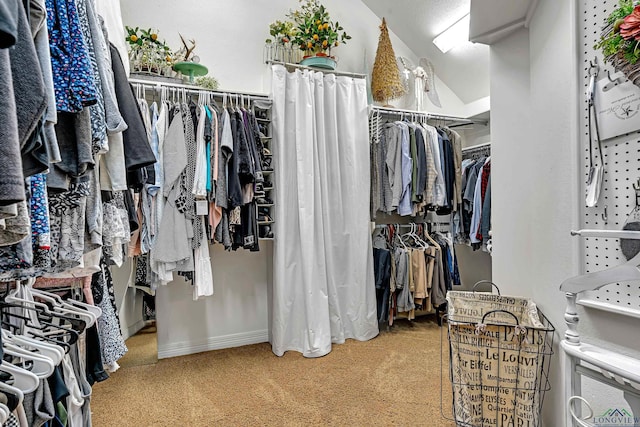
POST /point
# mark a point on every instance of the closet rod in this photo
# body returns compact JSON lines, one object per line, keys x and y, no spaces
{"x":477,"y":147}
{"x":378,"y":226}
{"x":196,"y":89}
{"x":304,"y":67}
{"x":401,"y":112}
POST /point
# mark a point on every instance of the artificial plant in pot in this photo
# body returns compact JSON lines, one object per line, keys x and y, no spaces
{"x":278,"y":47}
{"x":620,"y":41}
{"x":315,"y":33}
{"x":148,"y":54}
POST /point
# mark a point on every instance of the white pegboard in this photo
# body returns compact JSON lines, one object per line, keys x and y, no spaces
{"x":622,"y":168}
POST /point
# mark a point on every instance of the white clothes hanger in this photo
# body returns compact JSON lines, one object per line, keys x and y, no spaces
{"x":22,"y":379}
{"x":417,"y":240}
{"x":17,"y":392}
{"x":398,"y":237}
{"x":423,"y":243}
{"x":88,"y":317}
{"x":69,"y":304}
{"x":42,"y":366}
{"x":5,"y":413}
{"x":50,"y":350}
{"x":97,"y":311}
{"x":592,"y":281}
{"x":62,"y":306}
{"x":15,"y":299}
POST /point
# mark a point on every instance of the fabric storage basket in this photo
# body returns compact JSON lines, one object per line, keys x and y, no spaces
{"x":500,"y":352}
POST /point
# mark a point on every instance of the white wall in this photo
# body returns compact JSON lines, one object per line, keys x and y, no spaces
{"x":128,"y":301}
{"x":474,"y":266}
{"x":478,"y":134}
{"x":237,"y":313}
{"x":230,"y":38}
{"x":535,"y":178}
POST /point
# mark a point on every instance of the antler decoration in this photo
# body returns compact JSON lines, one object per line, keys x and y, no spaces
{"x":188,"y":50}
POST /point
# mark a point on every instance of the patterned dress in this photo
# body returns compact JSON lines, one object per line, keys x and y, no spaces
{"x":72,"y":75}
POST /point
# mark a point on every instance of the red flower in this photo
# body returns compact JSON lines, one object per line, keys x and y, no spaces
{"x":630,"y":29}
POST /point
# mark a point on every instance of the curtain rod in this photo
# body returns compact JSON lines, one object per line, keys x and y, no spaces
{"x":196,"y":89}
{"x":399,"y":111}
{"x":304,"y":67}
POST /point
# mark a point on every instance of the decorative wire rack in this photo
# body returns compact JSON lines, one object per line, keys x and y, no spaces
{"x":498,"y":361}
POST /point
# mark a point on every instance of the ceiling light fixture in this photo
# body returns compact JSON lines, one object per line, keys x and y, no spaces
{"x":454,"y":36}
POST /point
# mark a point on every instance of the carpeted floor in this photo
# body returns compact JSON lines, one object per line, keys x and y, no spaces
{"x":393,"y":379}
{"x":143,"y":348}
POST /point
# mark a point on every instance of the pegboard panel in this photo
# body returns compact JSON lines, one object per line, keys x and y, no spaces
{"x":622,"y":168}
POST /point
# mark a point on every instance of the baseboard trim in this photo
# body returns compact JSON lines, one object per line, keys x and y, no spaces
{"x":133,"y":329}
{"x":214,"y":343}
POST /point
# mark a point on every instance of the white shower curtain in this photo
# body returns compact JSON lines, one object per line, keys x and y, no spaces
{"x":323,"y":288}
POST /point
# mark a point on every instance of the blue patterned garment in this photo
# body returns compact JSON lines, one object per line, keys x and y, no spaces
{"x":98,"y":117}
{"x":40,"y":232}
{"x":14,"y":259}
{"x":72,"y":73}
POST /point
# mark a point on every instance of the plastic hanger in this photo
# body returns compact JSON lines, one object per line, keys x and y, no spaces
{"x":42,"y":327}
{"x":15,"y":391}
{"x":61,"y":306}
{"x":433,"y":242}
{"x":66,"y":346}
{"x":421,"y":241}
{"x":23,"y":380}
{"x":52,"y":351}
{"x":42,"y":366}
{"x":24,"y":302}
{"x":417,"y":241}
{"x":5,"y":413}
{"x":88,"y":312}
{"x":592,"y":281}
{"x":97,"y":311}
{"x":79,"y":325}
{"x":398,"y":238}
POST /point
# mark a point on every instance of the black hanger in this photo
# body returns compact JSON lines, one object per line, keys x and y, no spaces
{"x":46,"y":320}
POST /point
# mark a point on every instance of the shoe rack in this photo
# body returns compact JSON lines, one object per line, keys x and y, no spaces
{"x":265,"y":191}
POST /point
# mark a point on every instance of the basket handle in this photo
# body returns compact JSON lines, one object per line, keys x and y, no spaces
{"x":501,"y":311}
{"x":493,"y":285}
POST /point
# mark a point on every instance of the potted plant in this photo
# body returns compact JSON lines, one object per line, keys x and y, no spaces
{"x":315,"y":34}
{"x":620,"y":43}
{"x":148,"y":54}
{"x":278,"y":47}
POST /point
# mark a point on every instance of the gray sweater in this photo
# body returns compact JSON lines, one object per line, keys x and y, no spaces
{"x":11,"y":179}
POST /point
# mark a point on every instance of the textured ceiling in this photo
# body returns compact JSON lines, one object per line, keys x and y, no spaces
{"x":417,"y":22}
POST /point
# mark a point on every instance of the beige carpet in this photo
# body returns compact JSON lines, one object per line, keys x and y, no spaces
{"x":393,"y":379}
{"x":143,"y":348}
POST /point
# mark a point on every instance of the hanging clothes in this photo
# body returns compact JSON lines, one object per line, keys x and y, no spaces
{"x":475,"y":216}
{"x":415,"y":168}
{"x":413,"y":271}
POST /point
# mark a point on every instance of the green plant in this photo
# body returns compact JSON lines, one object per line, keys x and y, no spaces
{"x":281,"y":31}
{"x":314,"y":30}
{"x":207,"y":82}
{"x":623,"y":37}
{"x":146,"y":51}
